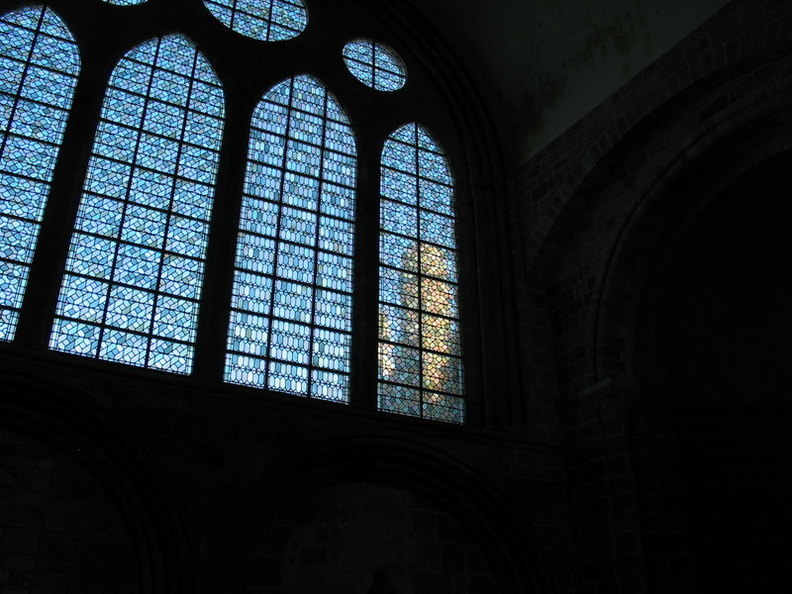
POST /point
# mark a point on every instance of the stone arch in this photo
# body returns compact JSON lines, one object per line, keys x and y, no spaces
{"x":739,"y":140}
{"x":477,"y":506}
{"x":117,"y":459}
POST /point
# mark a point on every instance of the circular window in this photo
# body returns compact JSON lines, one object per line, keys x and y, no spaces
{"x":375,"y":65}
{"x":276,"y":20}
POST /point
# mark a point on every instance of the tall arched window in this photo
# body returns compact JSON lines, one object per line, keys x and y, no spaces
{"x":135,"y":265}
{"x":420,"y":362}
{"x":39,"y":63}
{"x":232,"y":262}
{"x":291,"y":319}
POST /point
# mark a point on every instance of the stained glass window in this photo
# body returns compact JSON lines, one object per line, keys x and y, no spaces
{"x":420,"y":365}
{"x":125,"y":2}
{"x":375,"y":65}
{"x":267,"y":20}
{"x":39,"y":62}
{"x":291,"y":315}
{"x":135,"y":265}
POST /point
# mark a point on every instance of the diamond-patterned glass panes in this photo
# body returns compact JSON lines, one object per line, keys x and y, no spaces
{"x":375,"y":65}
{"x":135,"y":265}
{"x":291,"y":308}
{"x":267,"y":20}
{"x":39,"y":62}
{"x":420,"y":364}
{"x":125,"y":2}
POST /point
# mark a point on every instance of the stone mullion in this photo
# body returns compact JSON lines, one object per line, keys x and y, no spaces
{"x":603,"y":493}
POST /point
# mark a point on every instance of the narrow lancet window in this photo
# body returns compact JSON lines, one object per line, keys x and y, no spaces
{"x":420,"y":365}
{"x":135,"y":266}
{"x":267,"y":20}
{"x":291,"y":316}
{"x":39,"y":63}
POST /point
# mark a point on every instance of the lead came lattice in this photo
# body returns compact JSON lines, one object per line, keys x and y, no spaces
{"x":420,"y":365}
{"x":375,"y":65}
{"x":135,"y":265}
{"x":291,"y":317}
{"x":267,"y":20}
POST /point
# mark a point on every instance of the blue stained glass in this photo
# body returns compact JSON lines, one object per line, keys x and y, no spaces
{"x":291,"y":302}
{"x":172,"y":356}
{"x":327,"y":385}
{"x":334,"y":271}
{"x":443,"y":407}
{"x":336,"y":236}
{"x":251,"y":333}
{"x":375,"y":65}
{"x":420,"y":364}
{"x":333,"y":310}
{"x":398,"y":399}
{"x":392,"y":250}
{"x":251,"y":294}
{"x":338,"y":201}
{"x":12,"y":279}
{"x":123,"y":347}
{"x":125,"y":2}
{"x":401,"y":157}
{"x":91,"y":256}
{"x":266,"y":20}
{"x":245,"y":370}
{"x":437,"y":228}
{"x":175,"y":318}
{"x":39,"y":63}
{"x":255,"y":253}
{"x":135,"y":265}
{"x":296,"y":262}
{"x":290,"y":341}
{"x":74,"y":337}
